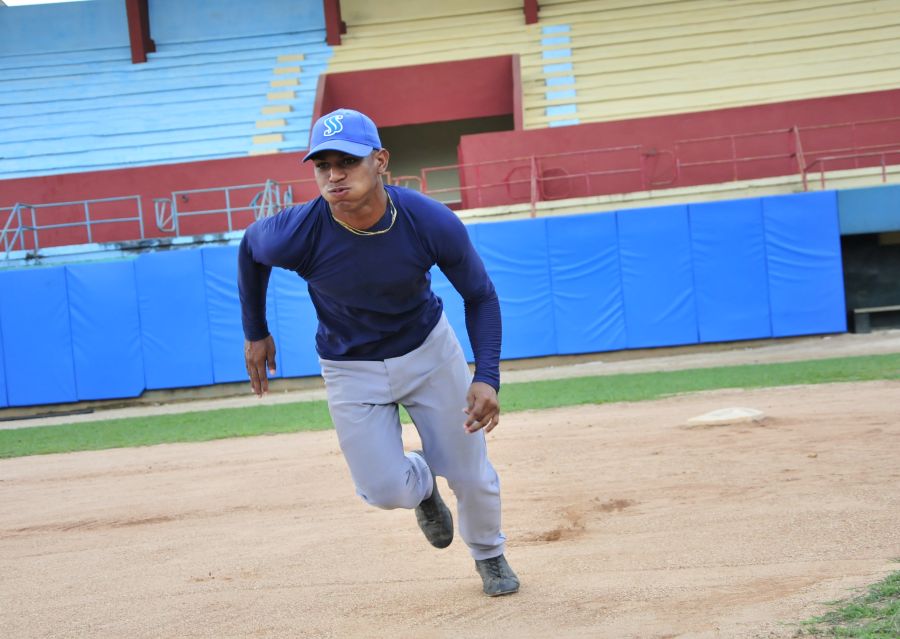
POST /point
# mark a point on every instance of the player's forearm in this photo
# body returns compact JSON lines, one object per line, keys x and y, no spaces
{"x":253,"y":280}
{"x":483,"y":323}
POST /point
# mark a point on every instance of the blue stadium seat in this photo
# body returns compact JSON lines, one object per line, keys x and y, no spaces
{"x":94,"y":109}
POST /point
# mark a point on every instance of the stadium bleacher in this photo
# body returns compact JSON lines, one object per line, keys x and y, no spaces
{"x":87,"y":110}
{"x":635,"y":59}
{"x":600,"y":60}
{"x":616,"y":98}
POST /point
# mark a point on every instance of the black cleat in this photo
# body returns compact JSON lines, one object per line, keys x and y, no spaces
{"x":498,"y":577}
{"x":434,"y":518}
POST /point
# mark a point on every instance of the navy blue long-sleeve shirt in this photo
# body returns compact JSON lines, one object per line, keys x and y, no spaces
{"x":372,"y":293}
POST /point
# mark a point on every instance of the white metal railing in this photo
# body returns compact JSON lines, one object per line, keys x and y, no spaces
{"x":165,"y":220}
{"x":18,"y":227}
{"x":11,"y":232}
{"x":262,"y":200}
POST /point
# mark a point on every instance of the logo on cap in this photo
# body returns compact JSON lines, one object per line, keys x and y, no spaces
{"x":333,"y":125}
{"x":346,"y":131}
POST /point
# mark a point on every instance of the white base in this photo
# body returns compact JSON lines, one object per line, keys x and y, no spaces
{"x":724,"y":416}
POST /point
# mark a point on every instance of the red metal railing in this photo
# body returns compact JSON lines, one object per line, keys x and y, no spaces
{"x":822,"y":161}
{"x":737,"y":156}
{"x":694,"y":161}
{"x":532,"y":179}
{"x":868,"y":140}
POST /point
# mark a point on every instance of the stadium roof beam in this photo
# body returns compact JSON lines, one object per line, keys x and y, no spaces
{"x":334,"y":25}
{"x":139,"y":30}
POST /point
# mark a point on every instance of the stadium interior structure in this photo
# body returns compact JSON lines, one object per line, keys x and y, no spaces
{"x":636,"y":174}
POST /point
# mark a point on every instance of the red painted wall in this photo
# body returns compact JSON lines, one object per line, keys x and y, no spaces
{"x":652,"y":165}
{"x":152,"y":182}
{"x":424,"y":93}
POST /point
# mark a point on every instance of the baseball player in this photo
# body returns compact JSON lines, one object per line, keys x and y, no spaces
{"x":365,"y":250}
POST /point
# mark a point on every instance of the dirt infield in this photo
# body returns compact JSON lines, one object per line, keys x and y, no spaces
{"x":622,"y":523}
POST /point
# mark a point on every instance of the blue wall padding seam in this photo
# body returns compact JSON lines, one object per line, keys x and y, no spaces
{"x":654,"y":246}
{"x":804,"y":263}
{"x":106,"y":332}
{"x":172,"y":302}
{"x":295,"y":324}
{"x":519,"y":271}
{"x":223,"y":307}
{"x":554,"y":328}
{"x":621,"y":277}
{"x":37,"y":342}
{"x":730,"y":275}
{"x":3,"y":400}
{"x":271,"y":316}
{"x":587,"y":292}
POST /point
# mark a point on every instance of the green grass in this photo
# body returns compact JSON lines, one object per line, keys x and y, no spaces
{"x":641,"y":386}
{"x":165,"y":429}
{"x":873,"y":615}
{"x":286,"y":418}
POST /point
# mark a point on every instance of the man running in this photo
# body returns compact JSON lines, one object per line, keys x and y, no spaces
{"x":365,"y":251}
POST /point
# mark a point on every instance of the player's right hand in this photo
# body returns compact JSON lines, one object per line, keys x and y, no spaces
{"x":259,"y":356}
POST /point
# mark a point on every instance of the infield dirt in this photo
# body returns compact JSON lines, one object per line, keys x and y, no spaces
{"x":622,"y":522}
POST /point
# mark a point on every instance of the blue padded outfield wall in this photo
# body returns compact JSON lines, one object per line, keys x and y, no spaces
{"x":722,"y":271}
{"x":107,"y":360}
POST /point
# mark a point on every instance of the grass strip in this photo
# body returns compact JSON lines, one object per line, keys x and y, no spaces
{"x":635,"y":387}
{"x":265,"y":419}
{"x":873,"y":615}
{"x":287,"y":418}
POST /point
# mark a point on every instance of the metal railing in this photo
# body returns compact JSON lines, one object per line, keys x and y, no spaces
{"x":823,"y":161}
{"x":260,"y":200}
{"x":735,"y":158}
{"x":21,"y":228}
{"x":530,"y":179}
{"x":800,"y":148}
{"x":13,"y":230}
{"x":535,"y":178}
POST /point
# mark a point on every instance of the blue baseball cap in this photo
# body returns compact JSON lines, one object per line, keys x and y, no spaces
{"x":344,"y":130}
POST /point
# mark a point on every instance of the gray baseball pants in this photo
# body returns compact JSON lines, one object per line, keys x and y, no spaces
{"x":431,"y":382}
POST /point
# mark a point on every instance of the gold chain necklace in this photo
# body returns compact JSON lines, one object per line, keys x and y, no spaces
{"x":362,"y":232}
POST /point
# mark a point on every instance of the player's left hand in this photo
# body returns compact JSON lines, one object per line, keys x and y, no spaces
{"x":483,"y":408}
